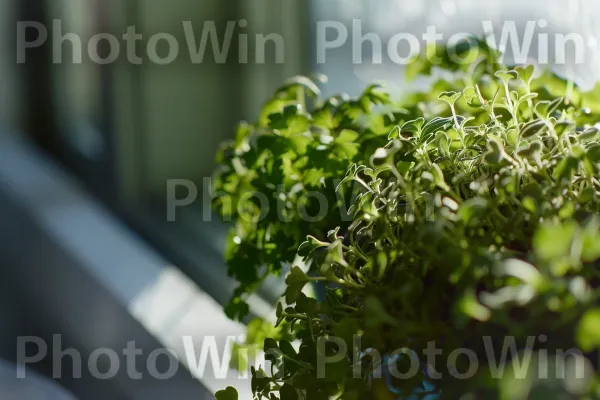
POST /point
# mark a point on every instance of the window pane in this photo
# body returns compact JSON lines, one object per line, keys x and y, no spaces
{"x":77,"y":83}
{"x":349,"y":70}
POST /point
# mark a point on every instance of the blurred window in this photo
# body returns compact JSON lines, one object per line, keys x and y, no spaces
{"x":130,"y":124}
{"x":386,"y":18}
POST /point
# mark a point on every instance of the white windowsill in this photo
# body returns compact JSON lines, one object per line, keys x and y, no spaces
{"x":159,"y":296}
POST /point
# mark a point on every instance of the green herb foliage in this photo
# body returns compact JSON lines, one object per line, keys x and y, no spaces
{"x":473,"y":213}
{"x":270,"y":168}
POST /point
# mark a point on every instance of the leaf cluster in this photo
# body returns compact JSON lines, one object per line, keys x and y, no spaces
{"x":473,"y":213}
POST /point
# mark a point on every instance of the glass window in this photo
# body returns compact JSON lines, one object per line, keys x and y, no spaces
{"x":355,"y":63}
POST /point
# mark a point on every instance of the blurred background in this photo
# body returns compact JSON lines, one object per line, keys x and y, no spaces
{"x":87,"y":150}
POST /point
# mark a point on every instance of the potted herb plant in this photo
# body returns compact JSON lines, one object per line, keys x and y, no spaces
{"x":462,"y":220}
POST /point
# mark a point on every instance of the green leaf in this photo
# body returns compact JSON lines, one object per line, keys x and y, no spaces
{"x":587,"y":195}
{"x":470,"y":306}
{"x":228,"y":394}
{"x":271,"y":349}
{"x":563,"y":127}
{"x":525,"y":73}
{"x":346,"y":143}
{"x":495,"y":152}
{"x":438,"y":177}
{"x":589,"y":135}
{"x":473,"y":98}
{"x":300,"y":142}
{"x":530,"y":204}
{"x":590,"y":242}
{"x":308,"y":247}
{"x":593,"y":153}
{"x":533,"y":150}
{"x":566,"y":168}
{"x":306,"y":305}
{"x":296,"y":281}
{"x":414,"y":126}
{"x":394,"y":133}
{"x":472,"y":211}
{"x":346,"y":136}
{"x":506,"y":76}
{"x":290,"y":121}
{"x":553,"y":241}
{"x":237,"y":309}
{"x":443,"y":143}
{"x":279,"y":314}
{"x":533,"y":128}
{"x":314,"y":178}
{"x":450,"y":97}
{"x":434,"y":125}
{"x":545,"y":108}
{"x":287,"y":349}
{"x":297,"y":276}
{"x":259,"y":380}
{"x":588,"y":330}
